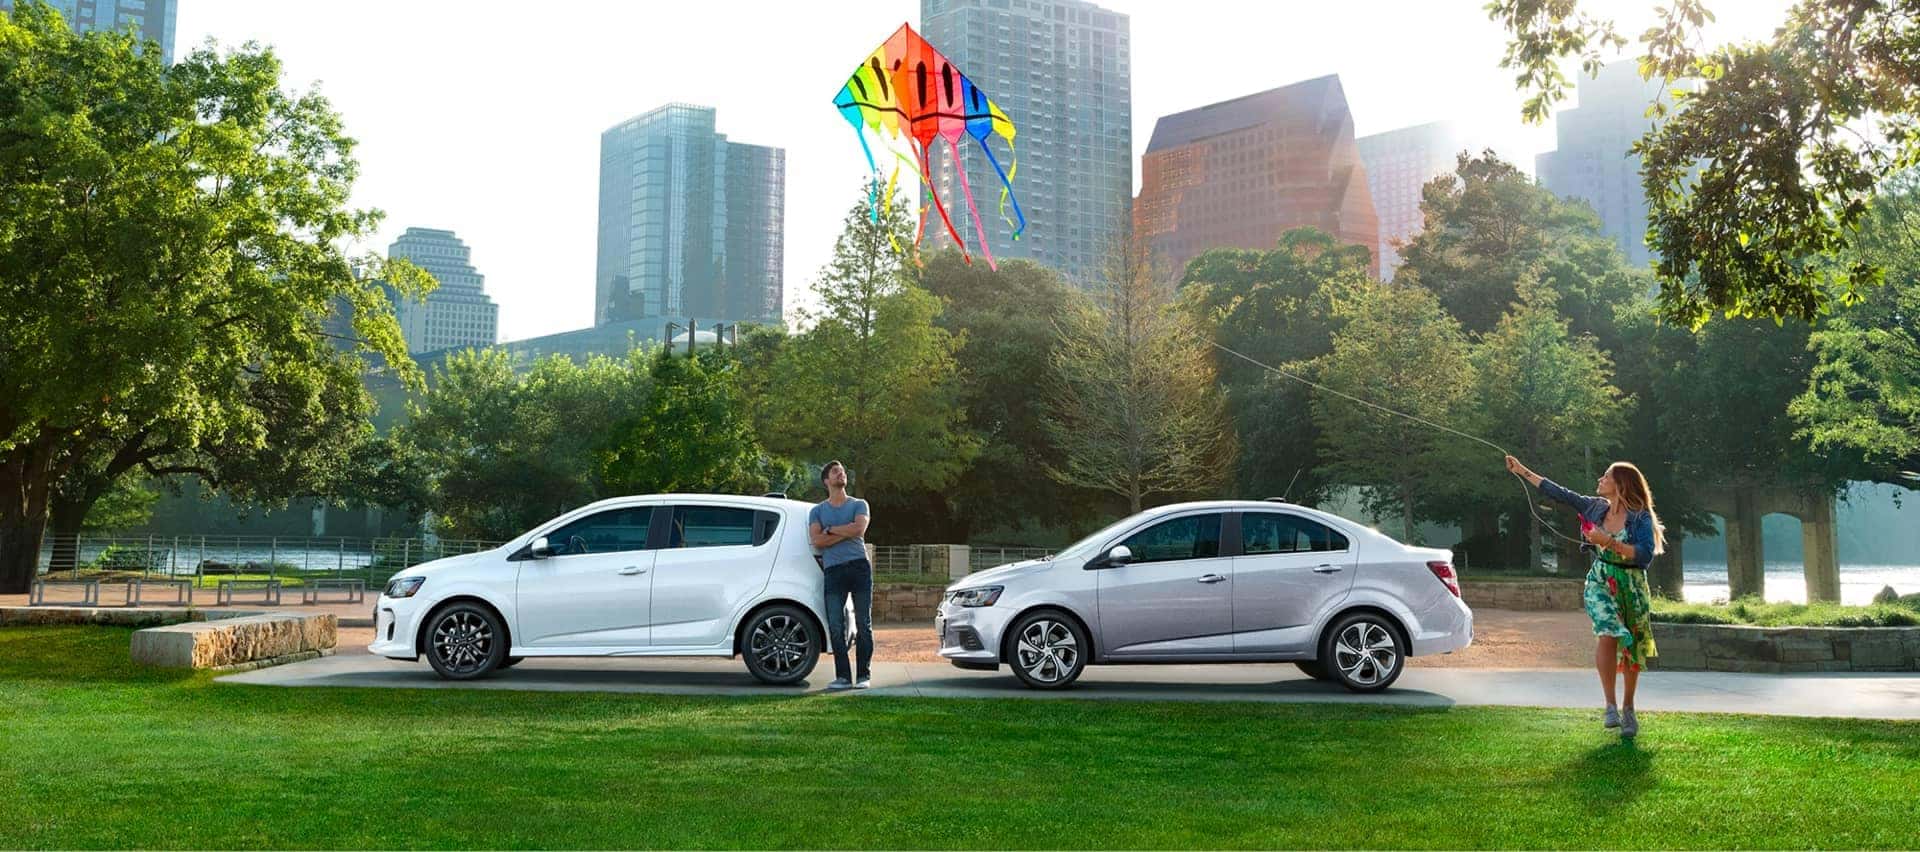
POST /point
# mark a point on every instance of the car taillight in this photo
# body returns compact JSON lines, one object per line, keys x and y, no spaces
{"x":1444,"y":571}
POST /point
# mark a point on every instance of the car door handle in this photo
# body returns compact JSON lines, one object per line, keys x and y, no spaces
{"x":633,"y":569}
{"x":1327,"y":569}
{"x":1212,"y":578}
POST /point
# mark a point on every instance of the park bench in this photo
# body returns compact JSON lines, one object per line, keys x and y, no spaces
{"x":356,"y":590}
{"x":182,"y":591}
{"x":89,"y":591}
{"x":224,"y":591}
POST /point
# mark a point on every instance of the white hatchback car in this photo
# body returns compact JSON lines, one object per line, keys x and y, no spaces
{"x":655,"y":575}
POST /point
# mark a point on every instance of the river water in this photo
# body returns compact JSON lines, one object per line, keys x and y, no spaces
{"x":1786,"y":581}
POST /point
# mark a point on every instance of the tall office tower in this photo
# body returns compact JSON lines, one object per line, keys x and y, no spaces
{"x":691,"y":224}
{"x":1399,"y":163}
{"x":153,"y":18}
{"x":1239,"y":173}
{"x":458,"y":313}
{"x":1062,"y":71}
{"x":1594,"y":162}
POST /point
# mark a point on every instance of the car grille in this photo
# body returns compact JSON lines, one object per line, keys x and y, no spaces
{"x":968,"y":638}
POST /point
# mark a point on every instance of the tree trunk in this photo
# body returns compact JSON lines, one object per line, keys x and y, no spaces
{"x":1533,"y":542}
{"x":23,"y":520}
{"x":1406,"y":516}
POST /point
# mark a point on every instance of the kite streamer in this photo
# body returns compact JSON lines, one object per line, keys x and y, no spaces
{"x":908,"y":93}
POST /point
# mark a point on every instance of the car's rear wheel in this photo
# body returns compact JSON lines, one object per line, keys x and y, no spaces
{"x":1049,"y":650}
{"x":465,"y":641}
{"x":1363,"y":652}
{"x":1313,"y":669}
{"x":781,"y":645}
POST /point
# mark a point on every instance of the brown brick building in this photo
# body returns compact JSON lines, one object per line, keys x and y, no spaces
{"x":1239,"y":173}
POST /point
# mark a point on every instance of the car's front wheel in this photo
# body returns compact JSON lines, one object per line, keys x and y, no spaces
{"x":781,"y":645}
{"x":1363,"y":652}
{"x":1049,"y":650}
{"x":465,"y":641}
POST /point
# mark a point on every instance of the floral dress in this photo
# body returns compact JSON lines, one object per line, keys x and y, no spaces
{"x":1618,"y":600}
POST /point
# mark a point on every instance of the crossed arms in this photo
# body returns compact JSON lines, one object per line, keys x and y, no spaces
{"x":824,"y":537}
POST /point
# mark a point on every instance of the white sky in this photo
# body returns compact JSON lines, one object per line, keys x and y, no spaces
{"x":484,"y":116}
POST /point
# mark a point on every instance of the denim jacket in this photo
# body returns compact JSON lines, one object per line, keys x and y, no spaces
{"x":1639,"y":524}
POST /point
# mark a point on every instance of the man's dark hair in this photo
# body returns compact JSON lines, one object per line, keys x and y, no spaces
{"x":829,"y":466}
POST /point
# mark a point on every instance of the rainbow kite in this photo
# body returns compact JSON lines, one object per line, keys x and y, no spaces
{"x":908,"y":91}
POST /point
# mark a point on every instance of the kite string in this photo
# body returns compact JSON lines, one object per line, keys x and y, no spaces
{"x":1528,"y":495}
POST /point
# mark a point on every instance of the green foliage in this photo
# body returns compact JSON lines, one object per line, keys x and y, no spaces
{"x":128,"y":504}
{"x":1278,"y":308}
{"x":692,"y":434}
{"x":1757,"y":177}
{"x":873,"y":380}
{"x":1399,"y":349}
{"x":1004,"y":322}
{"x":1133,"y":403}
{"x":1757,"y":612}
{"x":503,"y":452}
{"x":173,"y":245}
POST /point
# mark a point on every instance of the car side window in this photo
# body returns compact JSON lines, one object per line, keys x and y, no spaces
{"x":1271,"y":532}
{"x":611,"y":531}
{"x":1191,"y":537}
{"x":713,"y":526}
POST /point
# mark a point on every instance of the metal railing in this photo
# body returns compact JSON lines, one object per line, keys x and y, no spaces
{"x":931,"y":559}
{"x":206,"y":559}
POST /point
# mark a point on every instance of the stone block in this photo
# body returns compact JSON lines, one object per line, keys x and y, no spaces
{"x":1814,"y":666}
{"x":1880,"y":653}
{"x":1734,"y":646}
{"x":1791,"y":649}
{"x":1679,"y":661}
{"x":232,"y":641}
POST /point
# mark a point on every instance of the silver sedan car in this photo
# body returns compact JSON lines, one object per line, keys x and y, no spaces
{"x":1213,"y":582}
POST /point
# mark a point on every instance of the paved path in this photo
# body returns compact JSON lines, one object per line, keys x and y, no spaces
{"x":1892,"y":696}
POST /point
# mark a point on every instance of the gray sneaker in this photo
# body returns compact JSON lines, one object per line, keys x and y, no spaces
{"x":1612,"y":717}
{"x":840,"y":683}
{"x":1629,"y":725}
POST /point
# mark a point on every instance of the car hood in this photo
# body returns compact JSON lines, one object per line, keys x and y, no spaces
{"x":443,"y":565}
{"x":1001,"y":574}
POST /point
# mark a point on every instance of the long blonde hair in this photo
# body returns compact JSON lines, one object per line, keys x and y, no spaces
{"x":1631,"y":485}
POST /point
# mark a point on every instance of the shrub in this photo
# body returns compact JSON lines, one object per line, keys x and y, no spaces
{"x":1754,"y":611}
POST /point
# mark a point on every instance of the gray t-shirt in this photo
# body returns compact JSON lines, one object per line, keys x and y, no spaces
{"x":828,"y":515}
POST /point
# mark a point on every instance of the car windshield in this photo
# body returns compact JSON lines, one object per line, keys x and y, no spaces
{"x":1085,"y":547}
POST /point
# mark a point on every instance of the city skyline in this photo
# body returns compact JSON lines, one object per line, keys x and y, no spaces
{"x":458,"y":312}
{"x":566,"y":83}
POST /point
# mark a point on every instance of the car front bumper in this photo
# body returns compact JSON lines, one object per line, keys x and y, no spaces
{"x":970,"y":635}
{"x":394,"y":628}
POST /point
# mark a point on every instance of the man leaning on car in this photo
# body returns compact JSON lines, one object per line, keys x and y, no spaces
{"x":838,"y":527}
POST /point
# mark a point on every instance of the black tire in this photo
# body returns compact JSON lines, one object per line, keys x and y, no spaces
{"x":1047,"y":649}
{"x":781,"y":645}
{"x":1363,"y":652}
{"x":465,"y":641}
{"x":510,"y":662}
{"x":1313,"y":669}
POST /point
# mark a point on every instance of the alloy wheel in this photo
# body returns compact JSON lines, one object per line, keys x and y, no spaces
{"x":1365,"y":653}
{"x":1046,"y":651}
{"x":463,"y":641}
{"x":780,"y":644}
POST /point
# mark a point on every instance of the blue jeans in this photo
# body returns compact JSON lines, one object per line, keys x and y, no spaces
{"x":855,"y":579}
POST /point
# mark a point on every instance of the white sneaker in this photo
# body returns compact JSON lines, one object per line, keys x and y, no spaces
{"x":863,"y":683}
{"x":840,"y":683}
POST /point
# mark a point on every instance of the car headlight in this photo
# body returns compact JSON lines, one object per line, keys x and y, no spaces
{"x":404,"y":587}
{"x":982,"y":596}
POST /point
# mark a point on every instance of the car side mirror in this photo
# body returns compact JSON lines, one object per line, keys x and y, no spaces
{"x":541,"y":549}
{"x":1114,"y":558}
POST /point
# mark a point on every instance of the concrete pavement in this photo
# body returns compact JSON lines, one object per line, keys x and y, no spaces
{"x":1889,"y":696}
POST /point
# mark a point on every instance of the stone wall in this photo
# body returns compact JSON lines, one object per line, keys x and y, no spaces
{"x":905,"y":602}
{"x":197,"y":638}
{"x":1522,"y":594}
{"x":1739,"y":648}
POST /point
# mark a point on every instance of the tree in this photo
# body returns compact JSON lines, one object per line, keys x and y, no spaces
{"x":503,"y":452}
{"x":1133,"y":404}
{"x":1400,"y":350}
{"x":1004,"y":321}
{"x":1545,"y":394}
{"x":1863,"y":396}
{"x":1278,"y":308}
{"x":172,"y":237}
{"x":691,"y":434}
{"x":1489,"y":229}
{"x":1757,"y":176}
{"x":873,"y":381}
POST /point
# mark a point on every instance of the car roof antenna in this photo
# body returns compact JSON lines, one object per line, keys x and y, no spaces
{"x":1296,"y":478}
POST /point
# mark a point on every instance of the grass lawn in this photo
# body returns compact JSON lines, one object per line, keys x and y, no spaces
{"x":1901,"y":613}
{"x":98,"y":752}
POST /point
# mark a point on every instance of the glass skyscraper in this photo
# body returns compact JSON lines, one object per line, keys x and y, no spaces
{"x":458,"y":313}
{"x":691,"y":224}
{"x":153,"y":18}
{"x":1595,"y":160}
{"x":1062,"y":71}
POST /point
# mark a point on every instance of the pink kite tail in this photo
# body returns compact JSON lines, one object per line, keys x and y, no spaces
{"x":926,"y":169}
{"x":960,"y":175}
